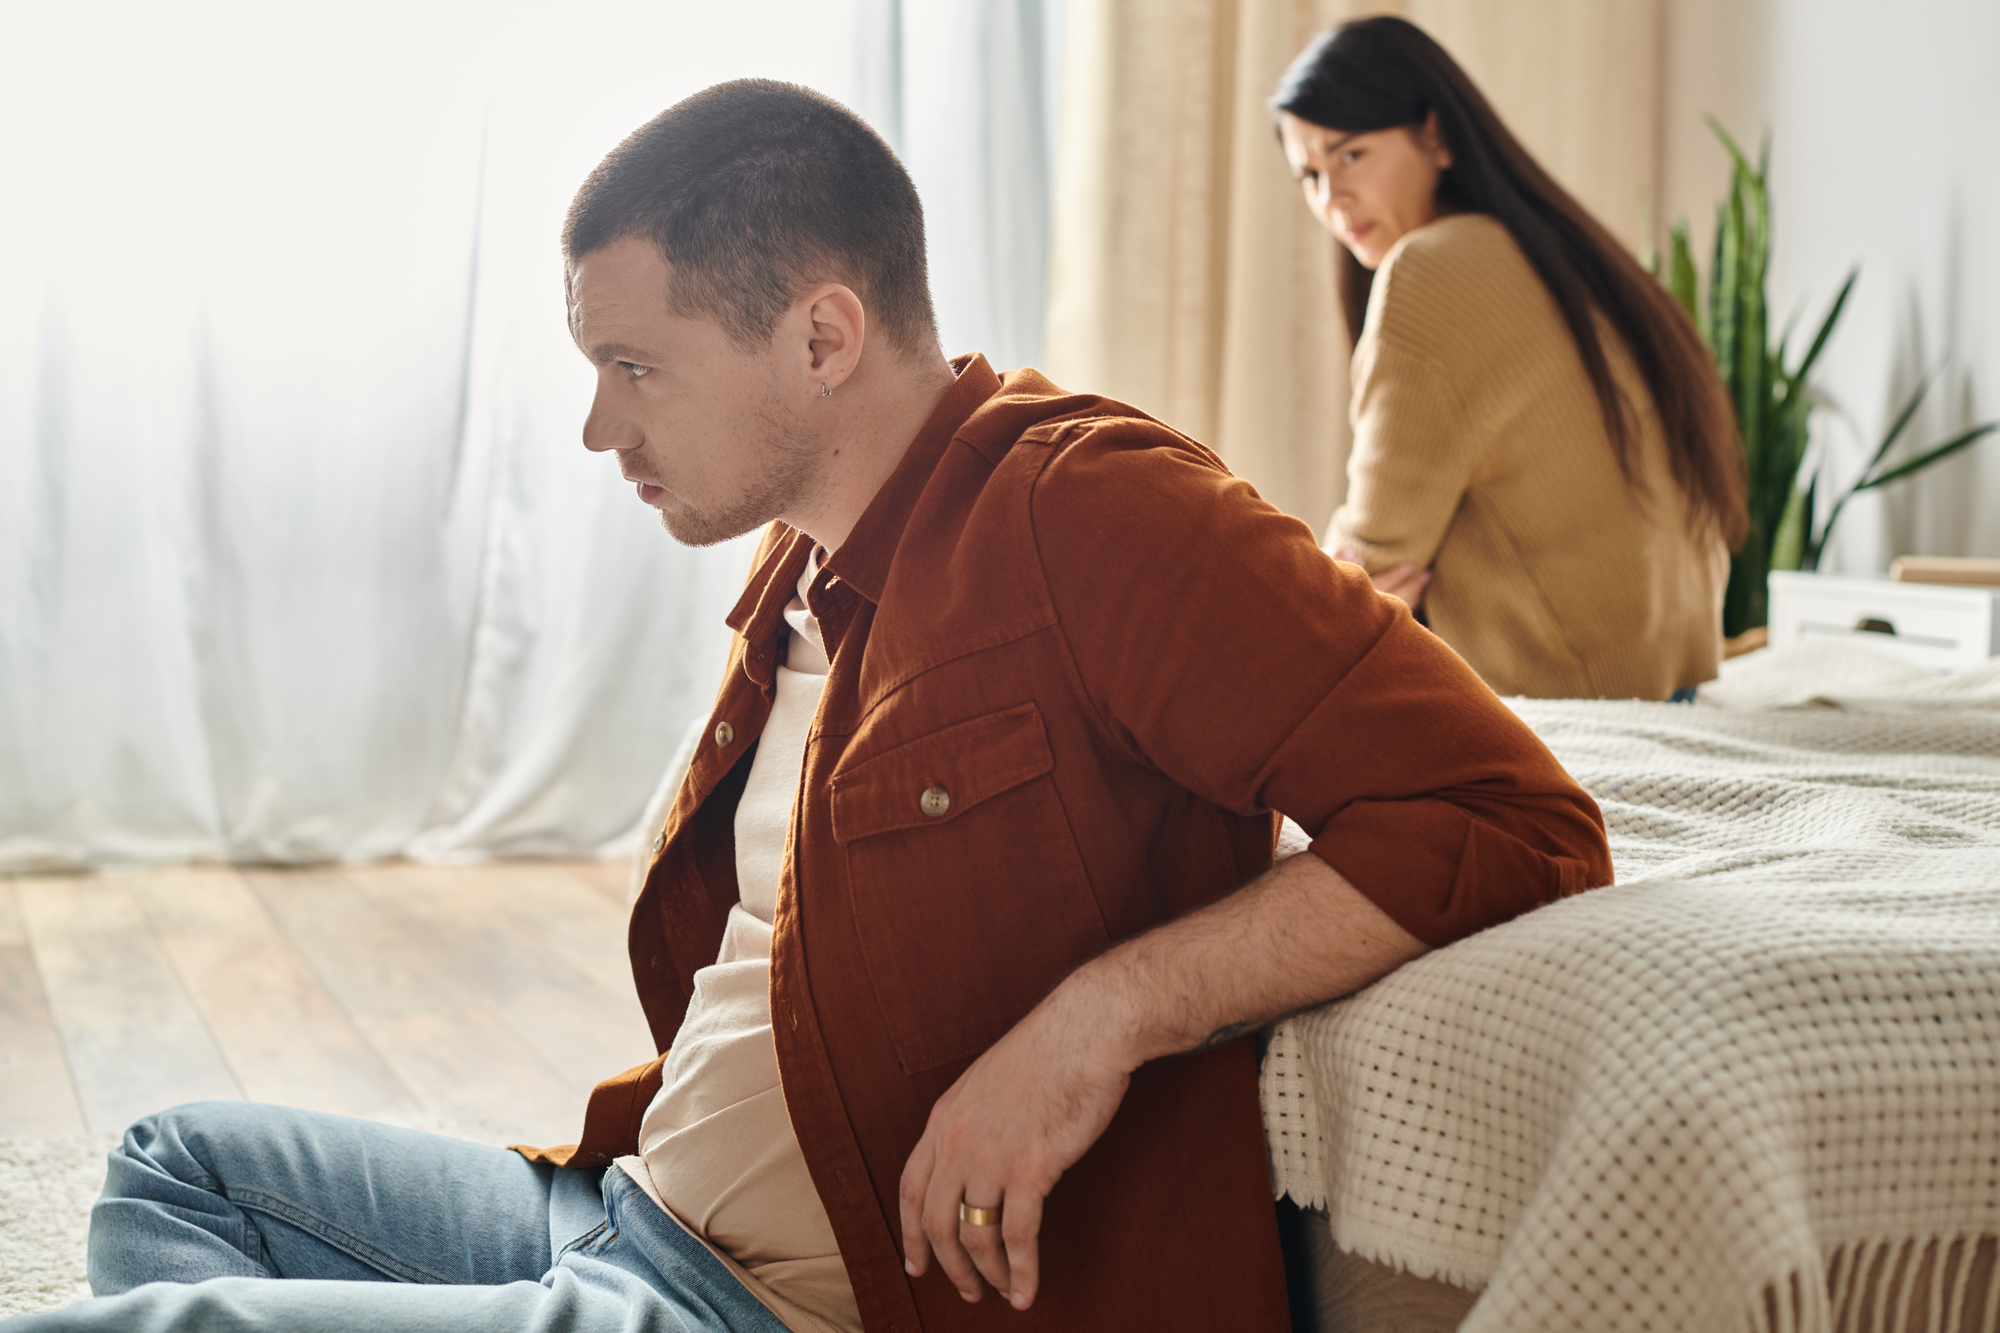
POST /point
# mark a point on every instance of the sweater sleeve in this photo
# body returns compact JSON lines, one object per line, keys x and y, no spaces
{"x":1414,"y":451}
{"x":1221,"y":646}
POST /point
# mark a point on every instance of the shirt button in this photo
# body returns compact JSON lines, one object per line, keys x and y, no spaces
{"x":659,"y":841}
{"x":725,"y":735}
{"x":934,"y":802}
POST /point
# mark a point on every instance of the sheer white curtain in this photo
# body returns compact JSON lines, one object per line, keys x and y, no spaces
{"x":965,"y":90}
{"x":300,"y":557}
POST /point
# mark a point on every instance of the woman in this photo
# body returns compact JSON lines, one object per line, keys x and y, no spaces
{"x":1543,"y":458}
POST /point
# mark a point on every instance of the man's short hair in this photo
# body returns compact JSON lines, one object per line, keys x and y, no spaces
{"x":754,"y":191}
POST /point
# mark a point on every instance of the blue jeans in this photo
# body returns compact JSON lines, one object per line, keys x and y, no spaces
{"x":378,"y":1228}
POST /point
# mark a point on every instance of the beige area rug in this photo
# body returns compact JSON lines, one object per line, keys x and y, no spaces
{"x":46,"y":1189}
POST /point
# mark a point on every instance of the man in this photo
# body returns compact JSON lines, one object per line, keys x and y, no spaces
{"x":964,"y":913}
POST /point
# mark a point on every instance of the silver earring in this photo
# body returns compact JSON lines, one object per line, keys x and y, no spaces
{"x":824,"y":392}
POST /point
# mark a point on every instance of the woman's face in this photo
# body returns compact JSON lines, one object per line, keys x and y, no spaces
{"x":1367,"y":189}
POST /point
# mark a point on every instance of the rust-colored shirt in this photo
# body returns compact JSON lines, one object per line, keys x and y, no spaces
{"x":1076,"y":667}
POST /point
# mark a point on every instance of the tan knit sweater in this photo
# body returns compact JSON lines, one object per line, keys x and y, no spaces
{"x":1480,"y":451}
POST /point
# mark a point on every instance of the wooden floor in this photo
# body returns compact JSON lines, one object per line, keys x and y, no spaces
{"x":493,"y":994}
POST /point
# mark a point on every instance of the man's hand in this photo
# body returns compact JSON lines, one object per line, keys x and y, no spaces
{"x":1023,"y":1112}
{"x":1002,"y":1136}
{"x":1405,"y":582}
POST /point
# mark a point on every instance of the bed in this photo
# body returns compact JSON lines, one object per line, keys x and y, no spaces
{"x":1755,"y":1084}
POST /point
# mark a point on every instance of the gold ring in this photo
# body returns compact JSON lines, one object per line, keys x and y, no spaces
{"x":979,"y":1217}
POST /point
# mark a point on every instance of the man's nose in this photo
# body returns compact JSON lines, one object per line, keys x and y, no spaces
{"x":605,"y":428}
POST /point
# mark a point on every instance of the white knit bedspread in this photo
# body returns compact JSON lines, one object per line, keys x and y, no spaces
{"x":1767,"y":1056}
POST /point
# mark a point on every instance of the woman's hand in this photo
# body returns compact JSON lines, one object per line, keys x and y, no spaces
{"x":1404,"y":582}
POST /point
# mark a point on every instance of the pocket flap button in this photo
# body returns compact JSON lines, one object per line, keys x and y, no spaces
{"x":724,"y":734}
{"x":934,"y":802}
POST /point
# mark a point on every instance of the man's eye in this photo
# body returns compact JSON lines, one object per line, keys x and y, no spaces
{"x":634,"y":371}
{"x":1351,"y":156}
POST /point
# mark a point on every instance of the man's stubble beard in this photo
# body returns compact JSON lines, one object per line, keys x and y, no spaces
{"x":791,"y":470}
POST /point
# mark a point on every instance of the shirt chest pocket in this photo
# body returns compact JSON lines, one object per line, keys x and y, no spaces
{"x":969,"y":895}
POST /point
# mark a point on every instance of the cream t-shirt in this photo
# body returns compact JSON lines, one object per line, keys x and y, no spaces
{"x":717,"y":1149}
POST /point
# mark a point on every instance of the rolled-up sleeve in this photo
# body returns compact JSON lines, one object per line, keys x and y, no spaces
{"x":1221,"y":646}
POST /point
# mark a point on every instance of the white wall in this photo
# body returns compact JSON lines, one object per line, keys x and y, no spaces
{"x":1885,"y":120}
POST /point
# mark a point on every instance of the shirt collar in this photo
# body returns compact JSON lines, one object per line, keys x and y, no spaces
{"x":863,"y":559}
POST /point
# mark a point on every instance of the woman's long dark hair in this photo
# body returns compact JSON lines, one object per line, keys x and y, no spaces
{"x":1385,"y":73}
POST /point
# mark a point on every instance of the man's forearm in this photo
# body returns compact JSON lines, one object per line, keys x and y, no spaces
{"x":1298,"y":935}
{"x":1035,"y":1101}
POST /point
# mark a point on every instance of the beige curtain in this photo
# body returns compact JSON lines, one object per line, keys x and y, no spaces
{"x":1186,"y":276}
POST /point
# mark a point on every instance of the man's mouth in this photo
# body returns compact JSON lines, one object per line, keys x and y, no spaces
{"x":648,"y":492}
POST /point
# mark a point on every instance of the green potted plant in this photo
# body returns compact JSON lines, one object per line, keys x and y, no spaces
{"x":1772,"y":398}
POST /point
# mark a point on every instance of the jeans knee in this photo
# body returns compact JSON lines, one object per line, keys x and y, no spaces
{"x":171,"y":1143}
{"x":178,"y":1120}
{"x":165,"y":1214}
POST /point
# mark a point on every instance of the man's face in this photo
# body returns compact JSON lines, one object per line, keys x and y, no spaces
{"x":696,"y":421}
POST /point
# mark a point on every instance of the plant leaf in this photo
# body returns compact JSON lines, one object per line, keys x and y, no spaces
{"x":1725,"y":295}
{"x":1785,"y":336}
{"x":1747,"y":186}
{"x":1742,"y":162}
{"x":1753,"y":356}
{"x":1682,"y":281}
{"x":1826,"y":325}
{"x":1753,"y":385}
{"x":1816,"y":546}
{"x":1930,"y":456}
{"x":1781,"y":454}
{"x":1788,"y":544}
{"x":1896,"y":429}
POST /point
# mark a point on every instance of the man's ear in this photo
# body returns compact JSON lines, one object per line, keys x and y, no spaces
{"x":836,"y":328}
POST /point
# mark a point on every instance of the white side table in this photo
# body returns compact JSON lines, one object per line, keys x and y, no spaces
{"x":1924,"y":624}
